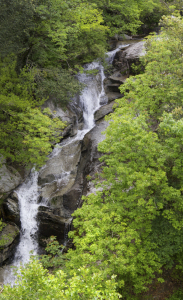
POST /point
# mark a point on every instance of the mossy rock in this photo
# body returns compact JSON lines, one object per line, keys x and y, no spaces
{"x":8,"y":240}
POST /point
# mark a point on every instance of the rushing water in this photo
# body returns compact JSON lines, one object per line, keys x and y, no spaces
{"x":27,"y":196}
{"x":90,"y":100}
{"x":92,"y":93}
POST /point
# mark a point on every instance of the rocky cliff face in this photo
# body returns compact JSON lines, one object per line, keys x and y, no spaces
{"x":9,"y":179}
{"x":8,"y":240}
{"x":63,"y":179}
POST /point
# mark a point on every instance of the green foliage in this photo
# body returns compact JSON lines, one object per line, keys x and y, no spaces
{"x":34,"y":283}
{"x":54,"y":257}
{"x":178,"y":295}
{"x":57,"y":84}
{"x":48,"y":38}
{"x":52,"y":36}
{"x":114,"y":225}
{"x":2,"y":225}
{"x":16,"y":24}
{"x":26,"y":133}
{"x":124,"y":15}
{"x":132,"y":227}
{"x":3,"y":240}
{"x":56,"y":32}
{"x":162,"y":80}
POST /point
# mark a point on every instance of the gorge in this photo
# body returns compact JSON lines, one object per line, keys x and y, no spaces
{"x":47,"y":199}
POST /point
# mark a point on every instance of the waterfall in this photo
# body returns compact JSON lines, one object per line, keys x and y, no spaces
{"x":110,"y":55}
{"x":92,"y":94}
{"x":27,"y":196}
{"x":91,"y":98}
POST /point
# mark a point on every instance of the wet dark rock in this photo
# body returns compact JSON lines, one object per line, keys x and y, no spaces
{"x":122,"y":37}
{"x":120,"y":62}
{"x":91,"y":154}
{"x":62,"y":168}
{"x":113,"y":96}
{"x":10,"y":179}
{"x":11,"y":211}
{"x":103,"y":111}
{"x":117,"y":77}
{"x":76,"y":110}
{"x":8,"y":241}
{"x":50,"y":224}
{"x":72,"y":114}
{"x":47,"y":179}
{"x":14,"y":196}
{"x":72,"y":198}
{"x":113,"y":83}
{"x":113,"y":87}
{"x":124,"y":59}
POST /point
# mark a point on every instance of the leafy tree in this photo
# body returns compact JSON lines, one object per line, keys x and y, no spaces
{"x":52,"y":36}
{"x":26,"y":133}
{"x":54,"y":31}
{"x":54,"y":257}
{"x":47,"y":38}
{"x":159,"y":89}
{"x":16,"y":24}
{"x":177,"y":295}
{"x":34,"y":283}
{"x":125,"y":16}
{"x":133,"y":226}
{"x":113,"y":226}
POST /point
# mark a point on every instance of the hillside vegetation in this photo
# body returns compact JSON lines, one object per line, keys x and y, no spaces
{"x":131,"y":229}
{"x":43,"y":44}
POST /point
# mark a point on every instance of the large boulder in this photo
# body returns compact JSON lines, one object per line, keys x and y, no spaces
{"x":104,"y":110}
{"x":8,"y":240}
{"x":11,"y":210}
{"x":122,"y":37}
{"x":10,"y":179}
{"x":71,"y":198}
{"x":59,"y":174}
{"x":63,"y":181}
{"x":51,"y":224}
{"x":65,"y":114}
{"x":91,"y":154}
{"x":113,"y":96}
{"x":117,"y":77}
{"x":124,"y":59}
{"x":71,"y":115}
{"x":135,"y":51}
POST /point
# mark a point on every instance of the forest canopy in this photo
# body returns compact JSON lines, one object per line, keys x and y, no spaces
{"x":49,"y":41}
{"x":131,"y":229}
{"x":133,"y":226}
{"x":40,"y":43}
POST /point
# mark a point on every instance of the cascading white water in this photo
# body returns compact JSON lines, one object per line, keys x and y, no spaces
{"x":28,"y":191}
{"x":111,"y":54}
{"x":27,"y":196}
{"x":92,"y":97}
{"x":92,"y":93}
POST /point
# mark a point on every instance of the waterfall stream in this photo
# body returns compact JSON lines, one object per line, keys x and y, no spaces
{"x":28,"y":195}
{"x":92,"y":97}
